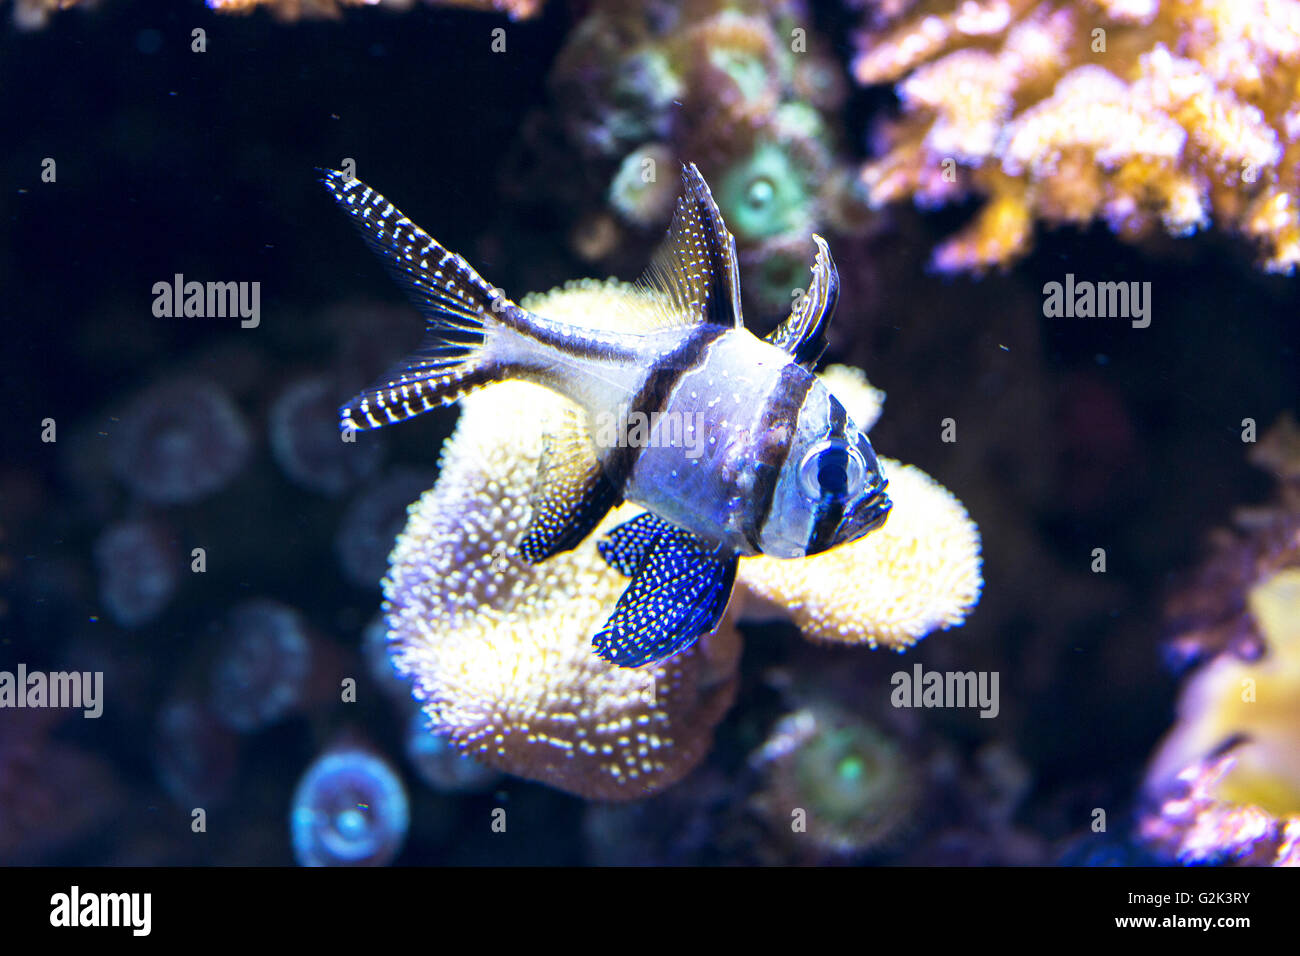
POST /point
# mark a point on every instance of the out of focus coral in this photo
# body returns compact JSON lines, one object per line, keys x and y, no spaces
{"x":138,"y":564}
{"x":307,"y":444}
{"x":179,"y":441}
{"x":291,"y":10}
{"x":269,"y":666}
{"x":194,"y":753}
{"x":1144,"y":115}
{"x":1227,"y":777}
{"x":34,"y":14}
{"x":1194,"y":825}
{"x":51,"y":793}
{"x":350,"y":809}
{"x":833,"y":783}
{"x":440,"y":764}
{"x":372,"y":521}
{"x":744,"y":88}
{"x":500,"y":652}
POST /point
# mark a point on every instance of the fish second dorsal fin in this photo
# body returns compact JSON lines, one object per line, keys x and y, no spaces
{"x":572,"y":492}
{"x":803,"y":332}
{"x":693,"y":277}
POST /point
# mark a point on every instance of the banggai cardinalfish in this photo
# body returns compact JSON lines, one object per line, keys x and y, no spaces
{"x":748,"y":452}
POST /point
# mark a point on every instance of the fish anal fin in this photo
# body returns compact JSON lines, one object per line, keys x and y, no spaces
{"x":572,"y":493}
{"x":679,"y":591}
{"x":803,"y":332}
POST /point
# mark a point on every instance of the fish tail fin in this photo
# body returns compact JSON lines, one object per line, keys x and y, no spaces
{"x":468,"y":319}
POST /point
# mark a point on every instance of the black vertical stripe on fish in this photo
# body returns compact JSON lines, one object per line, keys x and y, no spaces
{"x":830,"y":507}
{"x":656,"y":389}
{"x":782,"y":408}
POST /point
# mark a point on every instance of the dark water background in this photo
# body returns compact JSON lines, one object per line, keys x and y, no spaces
{"x":1073,"y":434}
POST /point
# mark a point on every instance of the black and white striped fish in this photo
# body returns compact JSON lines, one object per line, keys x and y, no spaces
{"x":746,"y":452}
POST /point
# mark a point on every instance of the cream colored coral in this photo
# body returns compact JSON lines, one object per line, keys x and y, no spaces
{"x":917,"y":574}
{"x":499,"y":651}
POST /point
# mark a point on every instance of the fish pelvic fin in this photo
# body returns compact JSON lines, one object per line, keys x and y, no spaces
{"x":466,"y":317}
{"x":572,"y":492}
{"x":679,"y":591}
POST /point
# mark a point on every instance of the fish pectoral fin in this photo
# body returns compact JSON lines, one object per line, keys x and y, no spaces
{"x":571,"y":495}
{"x":679,"y":591}
{"x":803,"y":332}
{"x":694,"y":277}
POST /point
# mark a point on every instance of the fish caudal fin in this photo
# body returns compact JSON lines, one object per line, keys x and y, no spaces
{"x":679,"y":591}
{"x":464,"y":313}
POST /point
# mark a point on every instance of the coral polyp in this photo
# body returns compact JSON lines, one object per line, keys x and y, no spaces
{"x":307,"y":443}
{"x":138,"y":566}
{"x":350,"y":809}
{"x":180,"y":441}
{"x":833,"y":784}
{"x":264,"y":671}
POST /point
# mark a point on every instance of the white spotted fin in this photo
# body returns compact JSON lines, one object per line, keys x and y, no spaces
{"x":694,"y":277}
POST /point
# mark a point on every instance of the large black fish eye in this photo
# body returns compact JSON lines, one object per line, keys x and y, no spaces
{"x":833,"y":469}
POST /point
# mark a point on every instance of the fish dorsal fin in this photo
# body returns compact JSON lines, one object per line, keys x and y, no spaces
{"x":572,"y":492}
{"x":679,"y":591}
{"x":803,"y":332}
{"x":693,"y":277}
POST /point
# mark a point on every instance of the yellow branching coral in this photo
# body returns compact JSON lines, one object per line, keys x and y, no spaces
{"x":499,"y":650}
{"x":292,"y":10}
{"x":33,"y":14}
{"x":1235,"y":749}
{"x":1144,"y":114}
{"x":1258,"y":701}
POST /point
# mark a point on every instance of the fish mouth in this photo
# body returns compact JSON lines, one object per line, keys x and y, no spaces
{"x":865,"y":518}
